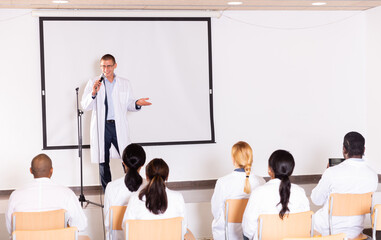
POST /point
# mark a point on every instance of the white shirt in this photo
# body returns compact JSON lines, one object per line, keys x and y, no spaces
{"x":136,"y":209}
{"x":351,"y":176}
{"x":264,"y":200}
{"x":117,"y":194}
{"x":42,"y":194}
{"x":230,"y":187}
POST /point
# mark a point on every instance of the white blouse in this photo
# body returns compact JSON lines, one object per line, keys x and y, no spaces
{"x":136,"y":208}
{"x":230,"y":187}
{"x":264,"y":200}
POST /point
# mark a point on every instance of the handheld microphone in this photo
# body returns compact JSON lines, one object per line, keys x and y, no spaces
{"x":100,"y":81}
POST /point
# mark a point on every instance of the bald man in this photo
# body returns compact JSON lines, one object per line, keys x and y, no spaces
{"x":42,"y":194}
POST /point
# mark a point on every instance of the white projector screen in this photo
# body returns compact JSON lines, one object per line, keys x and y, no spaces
{"x":165,"y":59}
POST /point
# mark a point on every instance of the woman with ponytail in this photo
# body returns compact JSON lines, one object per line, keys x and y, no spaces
{"x":277,"y":196}
{"x":235,"y":185}
{"x":155,"y":200}
{"x":118,"y":192}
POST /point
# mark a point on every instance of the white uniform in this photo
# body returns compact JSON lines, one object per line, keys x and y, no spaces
{"x":264,"y":200}
{"x":42,"y":194}
{"x":123,"y":102}
{"x":351,"y":176}
{"x":136,"y":208}
{"x":117,"y":194}
{"x":230,"y":187}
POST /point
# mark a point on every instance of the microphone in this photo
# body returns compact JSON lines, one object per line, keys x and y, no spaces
{"x":100,"y":81}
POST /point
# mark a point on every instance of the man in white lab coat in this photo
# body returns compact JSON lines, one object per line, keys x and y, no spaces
{"x":110,"y":98}
{"x":351,"y":176}
{"x":42,"y":194}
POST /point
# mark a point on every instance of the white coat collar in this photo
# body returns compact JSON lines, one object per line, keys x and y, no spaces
{"x":42,"y":179}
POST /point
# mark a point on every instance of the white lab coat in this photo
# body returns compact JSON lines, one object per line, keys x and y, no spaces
{"x":350,"y":176}
{"x":42,"y":194}
{"x":123,"y":102}
{"x":264,"y":200}
{"x":117,"y":194}
{"x":136,"y":209}
{"x":230,"y":187}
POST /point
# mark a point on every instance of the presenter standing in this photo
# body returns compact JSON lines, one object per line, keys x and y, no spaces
{"x":110,"y":98}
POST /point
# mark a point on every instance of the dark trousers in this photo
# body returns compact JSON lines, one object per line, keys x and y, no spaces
{"x":104,"y":168}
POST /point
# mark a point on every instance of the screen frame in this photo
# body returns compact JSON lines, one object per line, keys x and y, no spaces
{"x":43,"y":86}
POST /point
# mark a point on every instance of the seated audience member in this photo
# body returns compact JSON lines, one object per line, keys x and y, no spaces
{"x":155,"y":200}
{"x":277,"y":196}
{"x":118,"y":192}
{"x":351,"y":176}
{"x":42,"y":194}
{"x":235,"y":185}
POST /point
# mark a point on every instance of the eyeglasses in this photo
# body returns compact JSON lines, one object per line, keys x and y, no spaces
{"x":107,"y":66}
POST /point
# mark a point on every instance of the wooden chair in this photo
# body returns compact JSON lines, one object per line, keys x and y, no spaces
{"x":234,"y":209}
{"x":347,"y":204}
{"x":376,"y":220}
{"x":340,"y":236}
{"x":189,"y":235}
{"x":70,"y":233}
{"x":271,"y":227}
{"x":46,"y":220}
{"x":41,"y":221}
{"x":158,"y":229}
{"x":116,"y":219}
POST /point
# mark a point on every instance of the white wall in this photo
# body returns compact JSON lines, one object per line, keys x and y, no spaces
{"x":291,"y":80}
{"x":373,"y":77}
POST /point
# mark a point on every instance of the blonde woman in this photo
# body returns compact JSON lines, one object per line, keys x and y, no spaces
{"x":235,"y":185}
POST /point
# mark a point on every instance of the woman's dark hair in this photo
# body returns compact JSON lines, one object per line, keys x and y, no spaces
{"x":133,"y":157}
{"x":282,"y":164}
{"x":156,"y":197}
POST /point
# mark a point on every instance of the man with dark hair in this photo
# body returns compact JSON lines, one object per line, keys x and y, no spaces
{"x":42,"y":194}
{"x":351,"y":176}
{"x":354,"y":144}
{"x":110,"y":98}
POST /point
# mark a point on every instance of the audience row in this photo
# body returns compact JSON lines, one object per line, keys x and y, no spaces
{"x":149,"y":198}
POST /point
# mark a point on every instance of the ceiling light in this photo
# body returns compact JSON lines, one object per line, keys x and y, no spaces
{"x":234,"y":3}
{"x":60,"y":1}
{"x":319,"y":3}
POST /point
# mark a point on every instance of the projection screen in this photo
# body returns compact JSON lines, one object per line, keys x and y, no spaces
{"x":165,"y":59}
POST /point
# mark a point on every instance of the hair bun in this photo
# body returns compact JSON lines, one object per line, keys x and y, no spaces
{"x":133,"y":163}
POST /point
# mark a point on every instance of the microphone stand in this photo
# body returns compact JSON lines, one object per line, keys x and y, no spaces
{"x":82,"y":198}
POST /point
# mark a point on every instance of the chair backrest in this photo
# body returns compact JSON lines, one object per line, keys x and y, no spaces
{"x":70,"y":233}
{"x":348,"y":204}
{"x":234,"y":209}
{"x":340,"y":236}
{"x":116,"y":217}
{"x":158,"y":229}
{"x":376,"y":219}
{"x":272,"y":227}
{"x":39,"y":220}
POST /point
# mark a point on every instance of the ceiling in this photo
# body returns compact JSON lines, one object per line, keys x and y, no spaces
{"x":218,"y":5}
